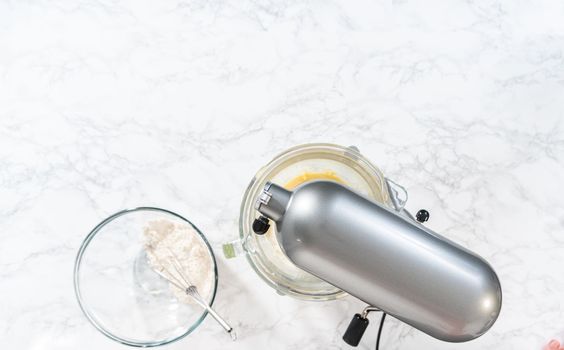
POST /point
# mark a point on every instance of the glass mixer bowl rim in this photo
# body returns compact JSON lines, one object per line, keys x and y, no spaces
{"x":91,"y":317}
{"x":275,"y":161}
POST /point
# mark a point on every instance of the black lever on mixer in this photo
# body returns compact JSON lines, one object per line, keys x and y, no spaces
{"x":358,"y":326}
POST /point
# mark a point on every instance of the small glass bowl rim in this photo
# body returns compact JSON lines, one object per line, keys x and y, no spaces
{"x":82,"y":303}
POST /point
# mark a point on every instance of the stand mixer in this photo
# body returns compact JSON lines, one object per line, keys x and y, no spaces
{"x":374,"y":250}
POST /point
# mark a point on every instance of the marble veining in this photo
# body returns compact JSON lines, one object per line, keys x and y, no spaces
{"x":110,"y":104}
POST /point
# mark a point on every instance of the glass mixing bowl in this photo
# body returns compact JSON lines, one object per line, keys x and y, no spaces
{"x":299,"y":165}
{"x":119,"y":292}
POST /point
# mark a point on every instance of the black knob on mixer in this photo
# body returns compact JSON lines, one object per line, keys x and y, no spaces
{"x":356,"y":329}
{"x":261,"y":225}
{"x":422,"y":215}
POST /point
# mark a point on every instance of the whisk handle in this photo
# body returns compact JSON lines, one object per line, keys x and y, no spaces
{"x":221,"y":321}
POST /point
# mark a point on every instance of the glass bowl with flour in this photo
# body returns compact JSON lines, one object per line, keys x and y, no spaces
{"x":118,"y":289}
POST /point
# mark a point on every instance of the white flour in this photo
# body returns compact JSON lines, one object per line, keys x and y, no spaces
{"x":163,"y":237}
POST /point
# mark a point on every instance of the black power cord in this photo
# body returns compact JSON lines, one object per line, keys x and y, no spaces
{"x":382,"y":319}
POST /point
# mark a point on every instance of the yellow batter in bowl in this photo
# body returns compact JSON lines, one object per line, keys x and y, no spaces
{"x":310,"y":176}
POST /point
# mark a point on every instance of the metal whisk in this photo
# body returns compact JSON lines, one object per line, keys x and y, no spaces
{"x":181,"y":281}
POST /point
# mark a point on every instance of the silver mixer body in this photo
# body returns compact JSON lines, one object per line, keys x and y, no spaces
{"x":384,"y":259}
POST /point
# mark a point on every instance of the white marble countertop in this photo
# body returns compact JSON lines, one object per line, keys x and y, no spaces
{"x":106,"y":105}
